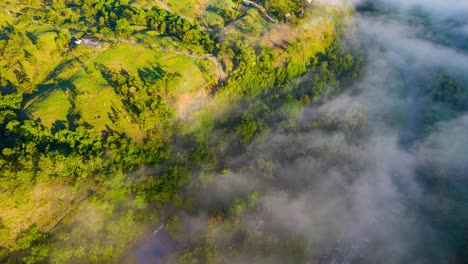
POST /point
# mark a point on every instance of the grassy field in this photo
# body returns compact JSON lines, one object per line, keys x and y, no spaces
{"x":42,"y":205}
{"x":143,"y":3}
{"x":127,"y":56}
{"x":4,"y":17}
{"x":187,"y":8}
{"x":135,"y":58}
{"x":211,"y":16}
{"x":50,"y":106}
{"x":94,"y":98}
{"x":156,"y":39}
{"x":97,"y":101}
{"x":7,"y":10}
{"x":46,"y":54}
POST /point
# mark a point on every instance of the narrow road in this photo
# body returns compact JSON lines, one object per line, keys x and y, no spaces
{"x":262,"y":10}
{"x":221,"y":73}
{"x":164,"y":6}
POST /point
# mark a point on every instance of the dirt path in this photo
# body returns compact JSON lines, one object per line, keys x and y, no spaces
{"x":221,"y":73}
{"x":164,"y":6}
{"x":96,"y":93}
{"x":262,"y":10}
{"x":69,"y":211}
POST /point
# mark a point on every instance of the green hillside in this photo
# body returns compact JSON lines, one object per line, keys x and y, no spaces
{"x":114,"y":113}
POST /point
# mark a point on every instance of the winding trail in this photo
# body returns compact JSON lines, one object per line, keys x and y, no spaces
{"x":164,"y":6}
{"x":262,"y":10}
{"x":221,"y":73}
{"x":68,"y":212}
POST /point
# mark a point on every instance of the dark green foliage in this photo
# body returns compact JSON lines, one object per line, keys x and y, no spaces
{"x":10,"y":104}
{"x":143,"y":100}
{"x":117,"y":16}
{"x":165,"y":188}
{"x":203,"y":157}
{"x":246,"y":128}
{"x":448,"y":90}
{"x":448,"y":99}
{"x":173,"y":225}
{"x":280,"y":8}
{"x":204,"y":251}
{"x":188,"y":33}
{"x":32,"y":247}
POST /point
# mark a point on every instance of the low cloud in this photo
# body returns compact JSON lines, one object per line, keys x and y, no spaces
{"x":360,"y":198}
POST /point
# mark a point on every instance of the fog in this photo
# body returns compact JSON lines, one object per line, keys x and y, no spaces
{"x":366,"y":190}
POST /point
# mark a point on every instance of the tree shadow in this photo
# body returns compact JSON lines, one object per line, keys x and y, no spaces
{"x":105,"y":133}
{"x":28,"y":55}
{"x":32,"y":37}
{"x":72,"y":120}
{"x":109,"y":74}
{"x":59,"y":125}
{"x":69,"y":89}
{"x":83,"y":65}
{"x":44,"y":90}
{"x":149,"y":75}
{"x":9,"y":88}
{"x":59,"y":68}
{"x":212,"y":8}
{"x":2,"y":225}
{"x":113,"y":115}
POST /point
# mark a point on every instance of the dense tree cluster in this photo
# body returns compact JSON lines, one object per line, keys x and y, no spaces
{"x":117,"y":17}
{"x":32,"y":155}
{"x":188,"y":33}
{"x":280,"y":8}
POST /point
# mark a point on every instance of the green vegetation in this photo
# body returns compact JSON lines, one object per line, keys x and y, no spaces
{"x":281,"y":8}
{"x":101,"y":140}
{"x":50,"y":107}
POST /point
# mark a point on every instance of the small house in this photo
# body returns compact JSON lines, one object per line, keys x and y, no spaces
{"x":300,"y":13}
{"x":90,"y":41}
{"x":87,"y":41}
